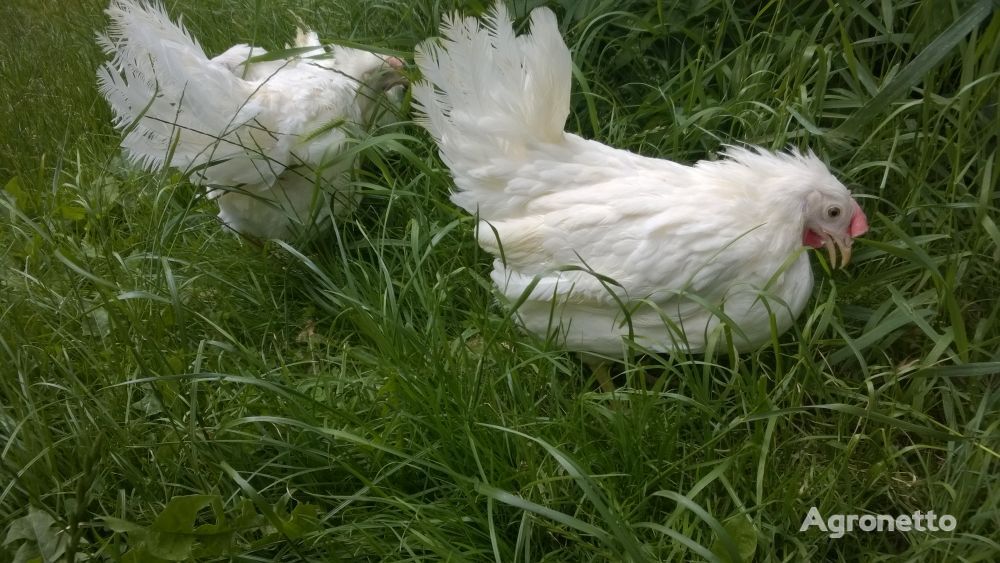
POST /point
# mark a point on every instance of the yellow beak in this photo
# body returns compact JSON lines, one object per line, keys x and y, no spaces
{"x":832,"y":245}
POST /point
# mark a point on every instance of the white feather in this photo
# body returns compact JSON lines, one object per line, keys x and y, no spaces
{"x":488,"y":96}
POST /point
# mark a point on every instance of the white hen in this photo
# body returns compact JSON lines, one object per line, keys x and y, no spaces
{"x":684,"y":245}
{"x":262,"y":137}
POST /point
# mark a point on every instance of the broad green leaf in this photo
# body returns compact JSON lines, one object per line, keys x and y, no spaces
{"x":41,"y":535}
{"x":180,"y":513}
{"x":71,"y":212}
{"x":169,"y":546}
{"x":302,"y":520}
{"x":13,"y":187}
{"x":28,"y":553}
{"x":121,"y":526}
{"x":19,"y":529}
{"x":742,"y":534}
{"x":214,"y":539}
{"x":142,"y":555}
{"x":172,"y":535}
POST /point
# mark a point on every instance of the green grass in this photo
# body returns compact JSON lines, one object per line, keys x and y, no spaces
{"x":167,"y":388}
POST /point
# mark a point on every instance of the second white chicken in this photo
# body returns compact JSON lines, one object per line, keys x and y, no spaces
{"x":263,"y":138}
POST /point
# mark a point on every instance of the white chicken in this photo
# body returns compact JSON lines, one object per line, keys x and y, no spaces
{"x":261,"y":137}
{"x":597,"y":244}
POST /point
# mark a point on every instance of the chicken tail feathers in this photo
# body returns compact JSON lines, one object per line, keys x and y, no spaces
{"x":488,"y":94}
{"x":176,"y":106}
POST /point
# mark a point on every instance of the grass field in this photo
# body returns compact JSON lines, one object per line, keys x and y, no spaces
{"x":170,"y":391}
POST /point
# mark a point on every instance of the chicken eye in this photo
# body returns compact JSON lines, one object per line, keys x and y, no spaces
{"x":833,"y":212}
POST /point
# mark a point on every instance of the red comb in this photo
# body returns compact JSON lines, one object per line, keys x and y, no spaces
{"x":859,"y":222}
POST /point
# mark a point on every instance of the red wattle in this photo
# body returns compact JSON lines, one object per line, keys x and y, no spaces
{"x":811,"y":238}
